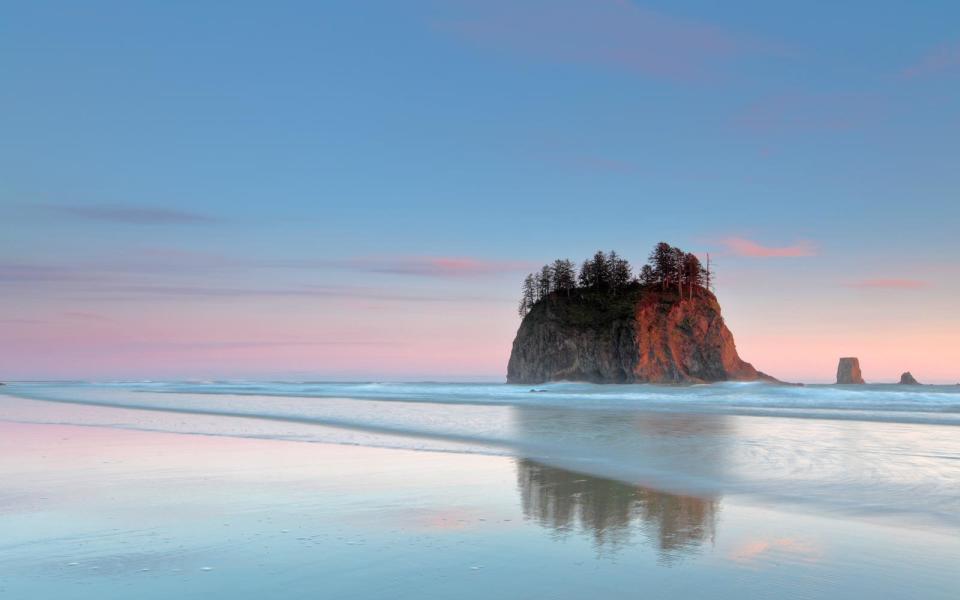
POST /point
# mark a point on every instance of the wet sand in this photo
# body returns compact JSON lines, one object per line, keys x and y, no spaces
{"x":90,"y":512}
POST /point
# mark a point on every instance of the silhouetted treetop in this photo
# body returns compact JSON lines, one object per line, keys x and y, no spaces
{"x":667,"y":267}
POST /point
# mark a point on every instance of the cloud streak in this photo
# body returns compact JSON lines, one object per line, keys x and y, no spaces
{"x":250,"y":344}
{"x":943,"y":59}
{"x":809,"y":113}
{"x":744,"y":247}
{"x":21,"y":273}
{"x":107,"y":285}
{"x":76,"y":315}
{"x":890,"y":284}
{"x":149,"y":291}
{"x":614,"y":34}
{"x":129,"y":214}
{"x":433,"y":266}
{"x":169,"y":262}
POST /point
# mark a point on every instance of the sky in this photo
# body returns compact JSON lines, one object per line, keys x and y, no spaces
{"x":355,"y":190}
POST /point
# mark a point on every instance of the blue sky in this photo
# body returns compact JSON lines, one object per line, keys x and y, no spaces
{"x":178,"y":162}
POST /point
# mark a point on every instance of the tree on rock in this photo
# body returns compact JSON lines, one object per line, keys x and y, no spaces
{"x":564,"y":278}
{"x":528,"y":295}
{"x":661,"y":261}
{"x":647,"y":275}
{"x":668,"y":267}
{"x":601,"y":270}
{"x":586,"y":277}
{"x":693,"y":273}
{"x":620,"y":272}
{"x":544,"y":282}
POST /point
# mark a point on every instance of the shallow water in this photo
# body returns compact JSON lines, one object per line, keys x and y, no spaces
{"x":889,"y":453}
{"x":103,"y":513}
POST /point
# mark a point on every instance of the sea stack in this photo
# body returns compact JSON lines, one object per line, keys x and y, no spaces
{"x":907,"y":379}
{"x":643,"y":334}
{"x":848,"y":371}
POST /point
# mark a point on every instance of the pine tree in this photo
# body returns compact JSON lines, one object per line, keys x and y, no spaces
{"x":647,"y":276}
{"x":693,"y":273}
{"x":563,"y":276}
{"x":528,"y":295}
{"x":667,"y":266}
{"x":586,"y":276}
{"x":661,"y":260}
{"x":620,"y":272}
{"x":601,"y":270}
{"x":708,"y":275}
{"x":678,"y":261}
{"x":544,"y":282}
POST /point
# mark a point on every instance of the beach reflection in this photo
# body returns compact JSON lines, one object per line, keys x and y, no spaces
{"x":613,"y":512}
{"x":630,"y":446}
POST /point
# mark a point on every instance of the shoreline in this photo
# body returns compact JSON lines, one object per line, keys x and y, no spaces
{"x":95,"y":510}
{"x":784,"y":505}
{"x":782,"y":457}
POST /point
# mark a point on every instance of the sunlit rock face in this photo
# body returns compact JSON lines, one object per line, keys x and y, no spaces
{"x":848,"y":371}
{"x":640,"y":335}
{"x":908,"y":379}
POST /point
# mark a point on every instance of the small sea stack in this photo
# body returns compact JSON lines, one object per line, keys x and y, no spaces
{"x":848,"y":371}
{"x":908,"y":379}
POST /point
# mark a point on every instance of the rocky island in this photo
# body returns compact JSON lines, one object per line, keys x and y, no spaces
{"x":663,"y":326}
{"x":907,"y":378}
{"x":848,"y":371}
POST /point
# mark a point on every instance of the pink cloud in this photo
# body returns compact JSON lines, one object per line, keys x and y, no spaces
{"x":944,"y":58}
{"x":744,"y":247}
{"x":84,"y":316}
{"x":436,"y":266}
{"x":608,"y":33}
{"x":805,"y":113}
{"x":890,"y":284}
{"x":129,"y":214}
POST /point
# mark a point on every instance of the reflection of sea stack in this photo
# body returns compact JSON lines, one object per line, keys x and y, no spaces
{"x":907,"y":379}
{"x":848,"y":371}
{"x":609,"y":510}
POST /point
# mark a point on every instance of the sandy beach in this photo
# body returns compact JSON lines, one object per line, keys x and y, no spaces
{"x":95,"y":512}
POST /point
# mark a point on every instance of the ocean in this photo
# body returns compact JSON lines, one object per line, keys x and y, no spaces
{"x":875,"y":452}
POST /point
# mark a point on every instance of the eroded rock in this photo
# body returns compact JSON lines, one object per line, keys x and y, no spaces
{"x":643,"y":334}
{"x":848,"y":371}
{"x":908,"y":379}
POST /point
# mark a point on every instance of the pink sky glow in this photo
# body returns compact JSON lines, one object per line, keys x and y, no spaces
{"x":464,"y":332}
{"x":744,"y":247}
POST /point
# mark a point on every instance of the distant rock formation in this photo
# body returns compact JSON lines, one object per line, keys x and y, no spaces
{"x":907,"y":379}
{"x":643,"y":334}
{"x":848,"y":371}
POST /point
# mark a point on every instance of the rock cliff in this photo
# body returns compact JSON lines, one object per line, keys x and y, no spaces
{"x":848,"y":371}
{"x":641,"y":334}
